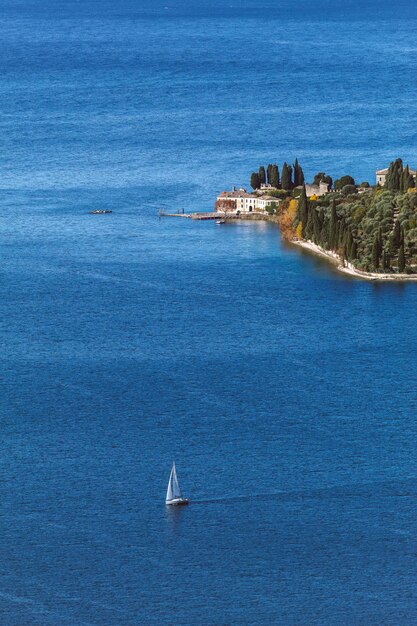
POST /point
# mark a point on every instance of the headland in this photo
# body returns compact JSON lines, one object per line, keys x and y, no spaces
{"x":367,"y":231}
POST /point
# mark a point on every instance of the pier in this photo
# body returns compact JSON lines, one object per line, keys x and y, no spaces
{"x":200,"y":216}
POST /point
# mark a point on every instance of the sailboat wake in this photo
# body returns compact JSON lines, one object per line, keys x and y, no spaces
{"x":252,"y":497}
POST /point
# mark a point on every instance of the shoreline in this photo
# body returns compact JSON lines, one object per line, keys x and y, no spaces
{"x":334,"y":258}
{"x":349,"y":269}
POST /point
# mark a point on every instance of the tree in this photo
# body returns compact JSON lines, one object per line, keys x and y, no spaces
{"x":348,"y":190}
{"x":401,"y":258}
{"x":274,"y":176}
{"x":268,"y":173}
{"x":302,"y":209}
{"x":348,"y":244}
{"x":396,"y":236}
{"x":316,"y":227}
{"x":375,"y":253}
{"x":394,"y":175}
{"x":255,"y":183}
{"x":332,"y":233}
{"x":386,"y":260}
{"x":298,"y":174}
{"x":262,"y":176}
{"x":286,"y":175}
{"x":407,"y":180}
{"x":379,"y":242}
{"x":309,"y":227}
{"x":321,"y":177}
{"x":341,"y":182}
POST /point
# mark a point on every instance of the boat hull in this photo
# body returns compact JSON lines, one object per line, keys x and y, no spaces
{"x":178,"y":502}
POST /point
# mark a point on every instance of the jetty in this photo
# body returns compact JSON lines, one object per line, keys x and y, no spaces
{"x":199,"y":216}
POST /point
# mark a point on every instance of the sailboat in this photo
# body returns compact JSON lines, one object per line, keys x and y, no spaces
{"x":174,"y":496}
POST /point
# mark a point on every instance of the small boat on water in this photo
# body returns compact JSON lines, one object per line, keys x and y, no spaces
{"x":174,"y":496}
{"x":222,"y":221}
{"x":100,"y":211}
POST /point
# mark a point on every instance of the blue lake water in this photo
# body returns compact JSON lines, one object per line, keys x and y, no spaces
{"x":285,"y":392}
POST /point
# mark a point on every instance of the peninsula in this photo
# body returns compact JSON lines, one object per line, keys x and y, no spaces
{"x":367,"y":231}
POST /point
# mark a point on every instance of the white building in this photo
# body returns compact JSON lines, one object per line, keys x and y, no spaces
{"x":266,"y":187}
{"x":244,"y":202}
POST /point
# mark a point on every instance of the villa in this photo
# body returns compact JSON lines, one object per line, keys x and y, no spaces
{"x":239,"y":200}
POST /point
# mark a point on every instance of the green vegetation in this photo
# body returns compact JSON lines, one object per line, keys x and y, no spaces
{"x":272,"y":208}
{"x":291,"y":176}
{"x":398,"y":177}
{"x":376,"y":231}
{"x":321,"y":177}
{"x":286,"y":177}
{"x":342,"y":182}
{"x":273,"y":177}
{"x":373,"y":228}
{"x":298,"y":174}
{"x":255,"y":183}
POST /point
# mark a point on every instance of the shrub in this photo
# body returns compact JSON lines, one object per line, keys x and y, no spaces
{"x":348,"y":190}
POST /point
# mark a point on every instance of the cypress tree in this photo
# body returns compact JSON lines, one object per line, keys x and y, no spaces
{"x":301,"y":178}
{"x":396,"y":236}
{"x":298,"y":174}
{"x":302,"y":206}
{"x":348,"y":244}
{"x":262,"y":176}
{"x":254,"y":181}
{"x":286,"y":182}
{"x":379,"y":240}
{"x":401,"y":258}
{"x":274,"y":179}
{"x":332,"y":236}
{"x":268,"y":173}
{"x":393,"y":178}
{"x":341,"y":232}
{"x":404,"y":179}
{"x":375,"y":253}
{"x":309,"y":228}
{"x":407,"y":180}
{"x":316,"y":226}
{"x":289,"y":168}
{"x":386,"y":261}
{"x":305,"y":214}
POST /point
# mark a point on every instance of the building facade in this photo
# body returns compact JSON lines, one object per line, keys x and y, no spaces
{"x":239,"y":200}
{"x":317,"y":190}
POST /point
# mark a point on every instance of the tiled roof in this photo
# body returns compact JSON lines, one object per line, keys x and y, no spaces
{"x":237,"y":194}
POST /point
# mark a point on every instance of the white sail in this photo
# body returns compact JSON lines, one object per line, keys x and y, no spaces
{"x":173,"y":490}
